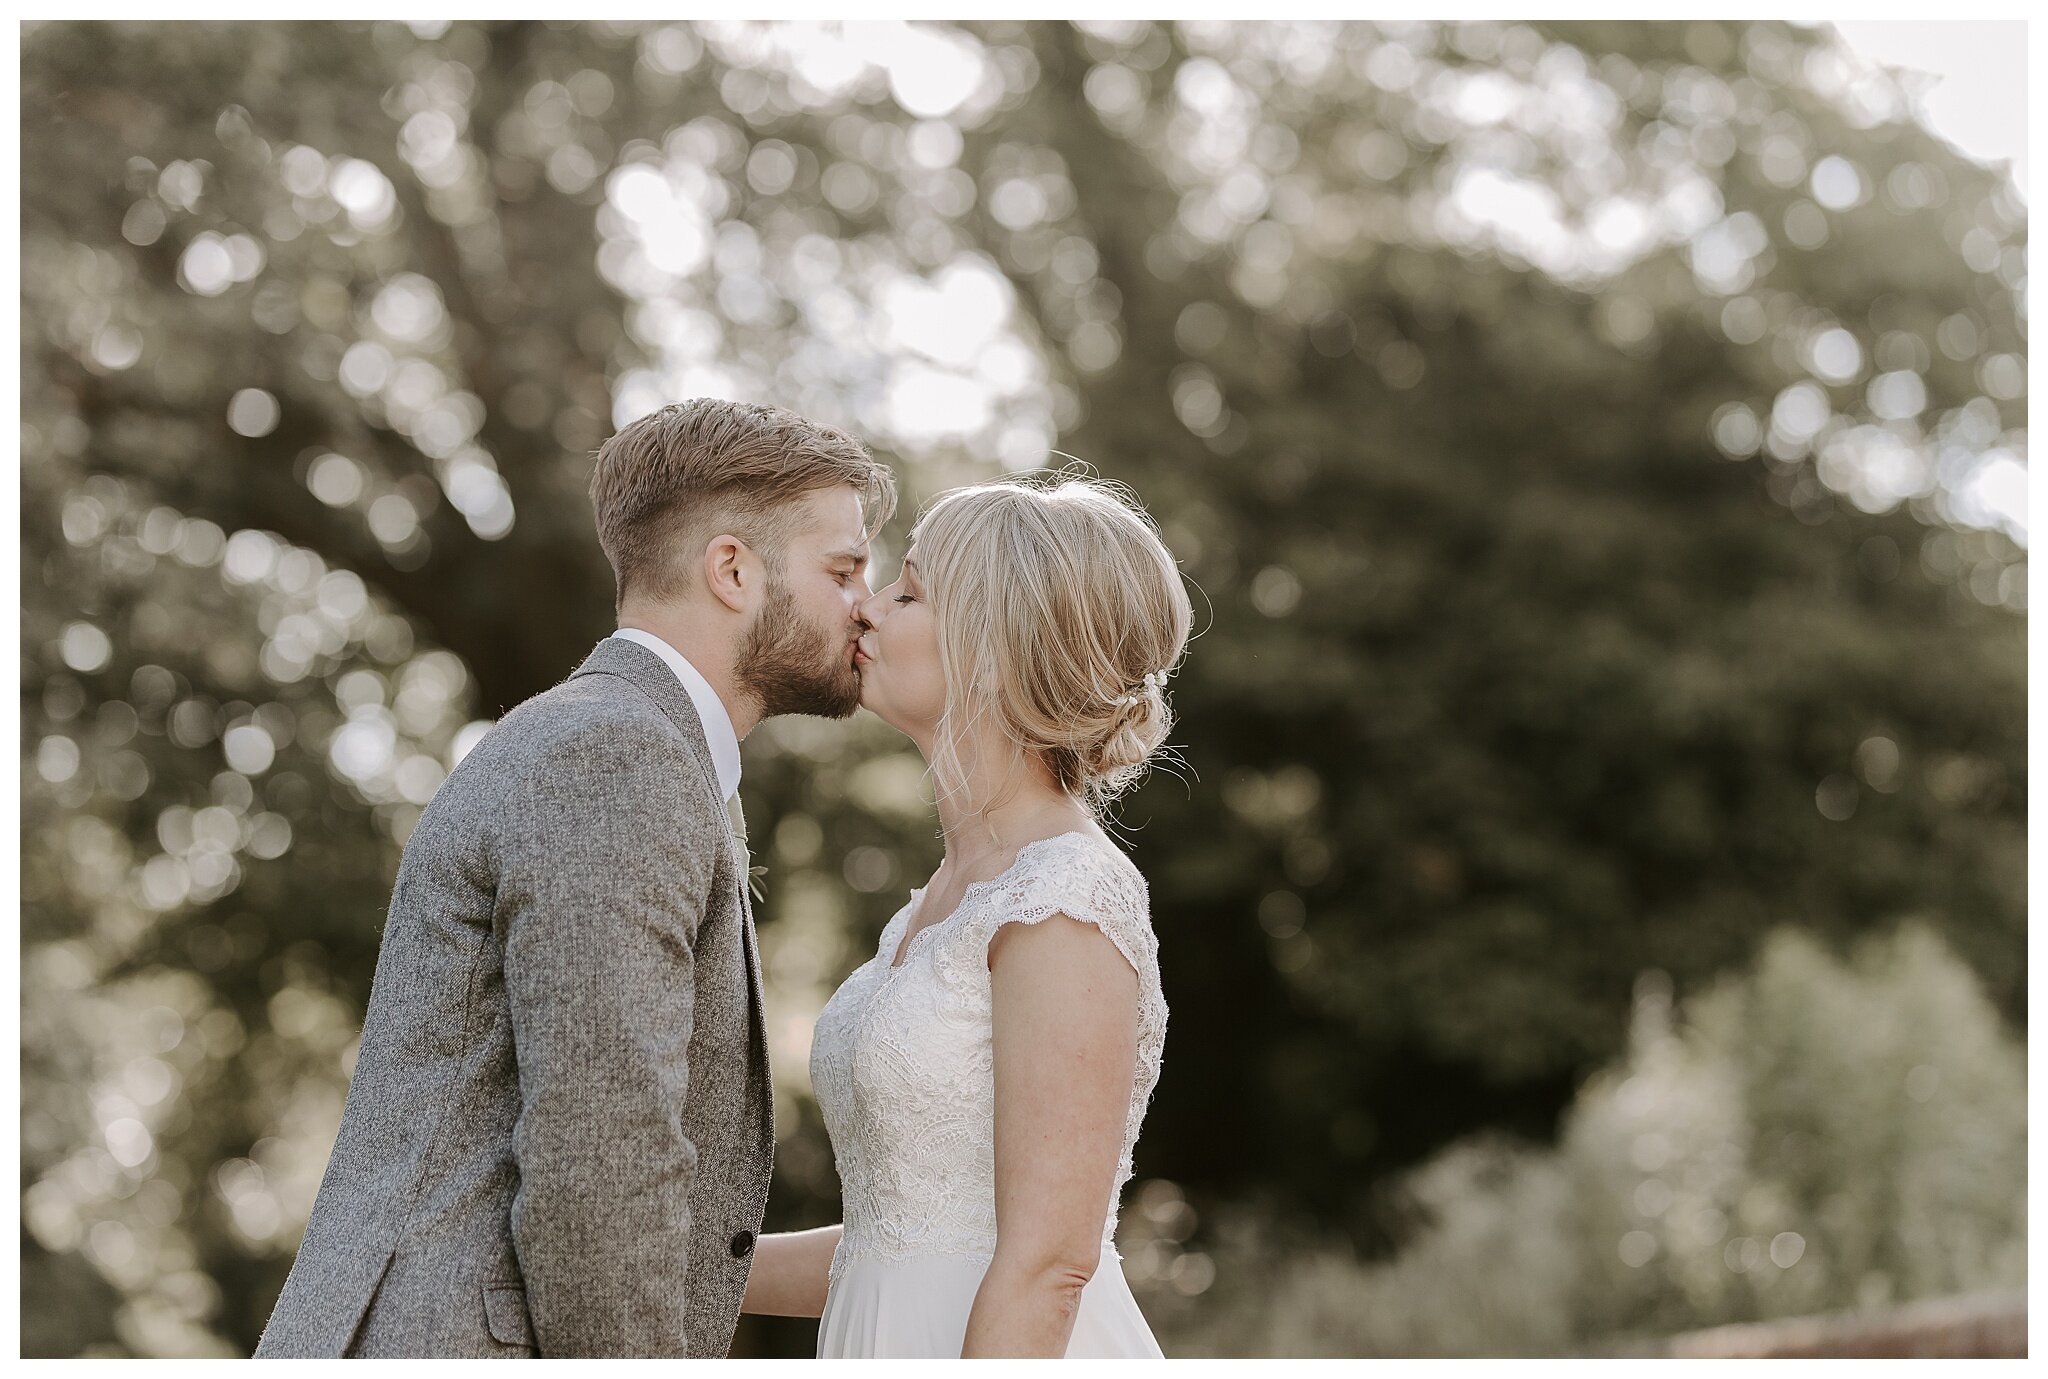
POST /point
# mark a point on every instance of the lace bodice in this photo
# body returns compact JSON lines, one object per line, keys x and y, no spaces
{"x":904,"y":1069}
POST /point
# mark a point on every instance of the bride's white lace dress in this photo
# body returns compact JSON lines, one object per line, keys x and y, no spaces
{"x":904,"y":1073}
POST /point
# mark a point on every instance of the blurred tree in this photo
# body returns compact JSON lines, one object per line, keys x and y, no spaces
{"x":1518,"y":685}
{"x":1579,"y":432}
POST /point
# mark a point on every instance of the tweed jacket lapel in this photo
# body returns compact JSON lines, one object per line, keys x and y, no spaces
{"x":647,"y":673}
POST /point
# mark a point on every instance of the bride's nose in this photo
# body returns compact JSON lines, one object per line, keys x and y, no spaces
{"x":866,"y":608}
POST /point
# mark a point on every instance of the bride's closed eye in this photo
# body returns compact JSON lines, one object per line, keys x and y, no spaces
{"x":904,"y":598}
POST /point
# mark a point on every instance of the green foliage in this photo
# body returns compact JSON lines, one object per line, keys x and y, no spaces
{"x":1815,"y":1136}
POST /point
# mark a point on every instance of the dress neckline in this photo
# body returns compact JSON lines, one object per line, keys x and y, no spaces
{"x":905,"y":947}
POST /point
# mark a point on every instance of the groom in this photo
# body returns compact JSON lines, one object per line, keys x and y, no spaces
{"x":559,"y":1136}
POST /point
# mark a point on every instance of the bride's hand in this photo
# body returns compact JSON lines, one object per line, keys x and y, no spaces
{"x":789,"y":1271}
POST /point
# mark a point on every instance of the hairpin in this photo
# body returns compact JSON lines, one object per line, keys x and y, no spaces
{"x":1155,"y":680}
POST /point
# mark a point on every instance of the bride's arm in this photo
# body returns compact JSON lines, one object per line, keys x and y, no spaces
{"x":787,"y":1278}
{"x":1064,"y":1007}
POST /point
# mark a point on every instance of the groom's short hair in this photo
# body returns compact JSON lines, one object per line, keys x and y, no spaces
{"x":672,"y":480}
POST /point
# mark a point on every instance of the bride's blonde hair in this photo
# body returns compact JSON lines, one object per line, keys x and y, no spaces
{"x":1060,"y":613}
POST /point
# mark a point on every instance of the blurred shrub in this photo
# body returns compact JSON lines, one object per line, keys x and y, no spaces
{"x":1814,"y":1136}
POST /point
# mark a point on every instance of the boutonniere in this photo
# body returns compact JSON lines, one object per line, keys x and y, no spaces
{"x":737,"y":818}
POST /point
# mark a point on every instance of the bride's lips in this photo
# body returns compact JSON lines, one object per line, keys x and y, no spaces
{"x":861,"y":654}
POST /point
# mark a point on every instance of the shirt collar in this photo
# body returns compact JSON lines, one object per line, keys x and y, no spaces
{"x":718,"y":733}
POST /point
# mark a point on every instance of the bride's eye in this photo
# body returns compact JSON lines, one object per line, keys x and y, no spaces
{"x":904,"y":598}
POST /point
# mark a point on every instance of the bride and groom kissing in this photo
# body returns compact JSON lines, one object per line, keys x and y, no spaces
{"x":560,"y":1132}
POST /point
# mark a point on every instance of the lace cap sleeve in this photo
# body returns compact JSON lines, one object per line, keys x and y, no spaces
{"x":1076,"y":875}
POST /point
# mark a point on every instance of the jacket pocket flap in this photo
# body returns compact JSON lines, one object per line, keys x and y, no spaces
{"x":505,"y":1314}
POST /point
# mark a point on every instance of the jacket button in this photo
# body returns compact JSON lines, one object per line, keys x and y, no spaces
{"x":742,"y":1243}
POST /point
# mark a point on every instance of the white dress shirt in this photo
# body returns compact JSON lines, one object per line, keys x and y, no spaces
{"x":724,"y":742}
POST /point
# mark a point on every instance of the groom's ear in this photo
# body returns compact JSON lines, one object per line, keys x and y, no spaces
{"x":732,"y":572}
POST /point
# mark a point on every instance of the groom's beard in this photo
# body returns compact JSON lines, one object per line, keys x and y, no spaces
{"x":788,"y":666}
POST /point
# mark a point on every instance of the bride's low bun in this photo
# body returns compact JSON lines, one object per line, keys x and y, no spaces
{"x":1114,"y":757}
{"x":1060,"y":615}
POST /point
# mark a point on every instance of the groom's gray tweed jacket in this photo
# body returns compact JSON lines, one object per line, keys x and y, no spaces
{"x":559,"y":1136}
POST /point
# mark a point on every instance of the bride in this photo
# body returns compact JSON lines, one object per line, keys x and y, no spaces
{"x":984,"y":1075}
